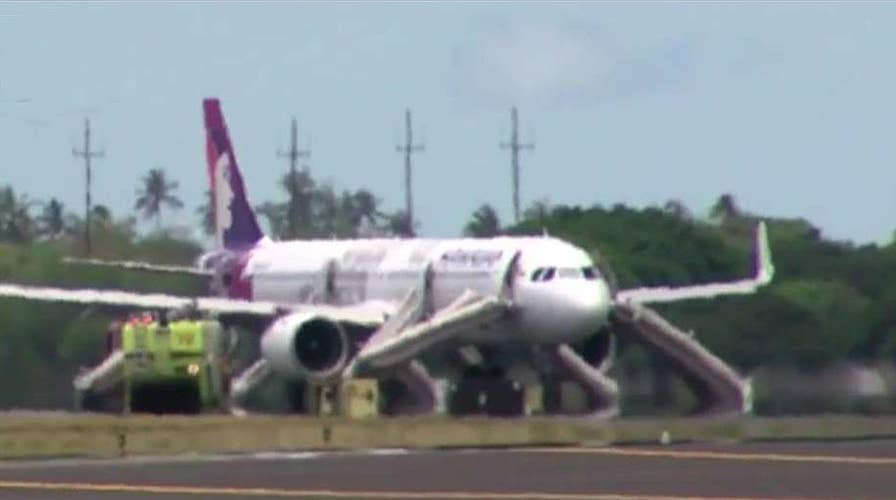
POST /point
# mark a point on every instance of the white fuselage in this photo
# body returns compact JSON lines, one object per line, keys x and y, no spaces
{"x":554,"y":286}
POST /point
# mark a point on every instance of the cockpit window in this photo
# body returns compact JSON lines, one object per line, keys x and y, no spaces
{"x":568,"y":272}
{"x":543,"y":274}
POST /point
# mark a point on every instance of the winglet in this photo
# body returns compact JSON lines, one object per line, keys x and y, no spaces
{"x":765,"y":269}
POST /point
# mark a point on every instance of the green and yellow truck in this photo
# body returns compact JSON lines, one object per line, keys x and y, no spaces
{"x":153,"y":365}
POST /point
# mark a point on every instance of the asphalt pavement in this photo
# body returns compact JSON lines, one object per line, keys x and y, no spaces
{"x":844,"y":470}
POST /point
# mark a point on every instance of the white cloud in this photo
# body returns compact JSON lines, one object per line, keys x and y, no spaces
{"x":534,"y":63}
{"x":543,"y":64}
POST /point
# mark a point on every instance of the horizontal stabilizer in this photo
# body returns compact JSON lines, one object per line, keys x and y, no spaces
{"x":764,"y":271}
{"x":139,"y":266}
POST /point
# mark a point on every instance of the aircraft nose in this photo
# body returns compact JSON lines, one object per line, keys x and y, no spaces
{"x":589,"y":307}
{"x":564,"y":310}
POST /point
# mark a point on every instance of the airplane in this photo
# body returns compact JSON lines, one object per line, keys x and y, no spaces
{"x":410,"y":308}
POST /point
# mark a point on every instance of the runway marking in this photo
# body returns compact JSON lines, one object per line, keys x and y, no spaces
{"x":293,"y":493}
{"x":137,"y":460}
{"x":721,"y":455}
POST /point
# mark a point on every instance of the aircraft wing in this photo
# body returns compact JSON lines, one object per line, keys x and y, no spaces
{"x":763,"y":276}
{"x":140,"y":266}
{"x":365,"y":314}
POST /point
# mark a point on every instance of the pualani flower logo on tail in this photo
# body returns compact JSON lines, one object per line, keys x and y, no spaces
{"x":223,"y":198}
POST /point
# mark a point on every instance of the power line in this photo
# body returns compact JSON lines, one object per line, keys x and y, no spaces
{"x":515,"y":147}
{"x":293,"y":154}
{"x":87,"y":154}
{"x":408,"y":148}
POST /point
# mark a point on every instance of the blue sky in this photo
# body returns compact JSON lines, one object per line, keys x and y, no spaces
{"x":786,"y":106}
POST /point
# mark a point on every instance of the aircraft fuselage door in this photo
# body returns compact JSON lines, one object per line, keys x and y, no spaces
{"x":456,"y":270}
{"x":509,"y":271}
{"x":325,"y":288}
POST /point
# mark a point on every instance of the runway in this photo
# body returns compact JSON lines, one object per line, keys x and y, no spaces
{"x":846,"y":470}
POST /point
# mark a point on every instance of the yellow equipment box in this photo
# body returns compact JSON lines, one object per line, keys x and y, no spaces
{"x":534,"y":395}
{"x":359,"y":398}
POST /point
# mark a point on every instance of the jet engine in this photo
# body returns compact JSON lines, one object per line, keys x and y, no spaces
{"x":306,"y":346}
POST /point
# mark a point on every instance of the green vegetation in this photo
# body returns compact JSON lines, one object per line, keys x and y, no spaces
{"x":313,"y":210}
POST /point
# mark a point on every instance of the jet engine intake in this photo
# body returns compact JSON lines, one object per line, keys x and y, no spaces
{"x":306,"y":346}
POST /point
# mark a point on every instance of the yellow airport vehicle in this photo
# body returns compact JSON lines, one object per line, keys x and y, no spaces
{"x":153,"y":365}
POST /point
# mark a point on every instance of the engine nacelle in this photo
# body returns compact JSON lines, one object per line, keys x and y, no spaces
{"x":306,"y":346}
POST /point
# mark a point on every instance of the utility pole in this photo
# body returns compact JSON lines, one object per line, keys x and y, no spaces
{"x":293,"y":154}
{"x":515,"y":148}
{"x":408,"y":148}
{"x":87,"y":154}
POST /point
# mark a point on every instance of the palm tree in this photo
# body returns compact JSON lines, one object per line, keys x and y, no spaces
{"x":52,"y":221}
{"x":538,"y":211}
{"x":101,"y":214}
{"x":207,"y":214}
{"x":677,"y":209}
{"x":725,"y":208}
{"x":156,"y":191}
{"x":16,"y":223}
{"x":327,"y":211}
{"x":367,"y":217}
{"x":484,"y":223}
{"x":399,"y":224}
{"x":367,"y":206}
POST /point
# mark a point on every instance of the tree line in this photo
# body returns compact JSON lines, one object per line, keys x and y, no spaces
{"x":318,"y":210}
{"x":310,"y":210}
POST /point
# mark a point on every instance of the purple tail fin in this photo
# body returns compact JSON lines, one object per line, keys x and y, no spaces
{"x":236,"y":226}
